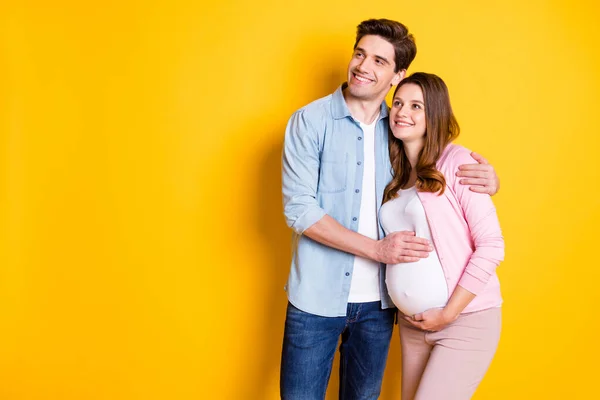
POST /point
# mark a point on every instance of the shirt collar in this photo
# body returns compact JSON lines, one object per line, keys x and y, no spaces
{"x":339,"y":108}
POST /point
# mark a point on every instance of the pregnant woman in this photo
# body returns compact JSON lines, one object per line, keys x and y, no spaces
{"x":449,"y":302}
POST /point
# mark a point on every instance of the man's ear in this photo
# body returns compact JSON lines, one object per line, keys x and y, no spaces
{"x":398,"y":77}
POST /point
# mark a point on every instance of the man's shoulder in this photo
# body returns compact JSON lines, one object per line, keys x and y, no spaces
{"x":320,"y":108}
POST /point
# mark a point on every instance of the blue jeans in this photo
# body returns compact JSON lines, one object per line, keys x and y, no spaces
{"x":309,"y":344}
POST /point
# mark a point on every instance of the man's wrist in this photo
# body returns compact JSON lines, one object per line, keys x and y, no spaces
{"x":372,"y":250}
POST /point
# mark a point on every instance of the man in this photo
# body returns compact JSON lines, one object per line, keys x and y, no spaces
{"x":335,"y":168}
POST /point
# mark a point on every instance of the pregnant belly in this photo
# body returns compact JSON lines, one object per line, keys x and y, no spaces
{"x":416,"y":287}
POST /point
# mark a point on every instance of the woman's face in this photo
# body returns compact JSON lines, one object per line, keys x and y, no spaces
{"x":407,"y":116}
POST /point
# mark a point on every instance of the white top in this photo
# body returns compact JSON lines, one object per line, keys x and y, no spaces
{"x":421,"y":285}
{"x":365,"y":277}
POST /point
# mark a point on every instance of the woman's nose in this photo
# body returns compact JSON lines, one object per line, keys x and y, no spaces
{"x":401,"y":112}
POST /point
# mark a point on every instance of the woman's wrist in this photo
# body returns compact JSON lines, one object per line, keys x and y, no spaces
{"x":450,"y":315}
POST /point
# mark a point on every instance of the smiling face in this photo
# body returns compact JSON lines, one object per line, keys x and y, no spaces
{"x":407,"y":115}
{"x":371,"y":69}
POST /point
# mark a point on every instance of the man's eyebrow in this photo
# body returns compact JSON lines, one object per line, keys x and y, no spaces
{"x":385,"y":60}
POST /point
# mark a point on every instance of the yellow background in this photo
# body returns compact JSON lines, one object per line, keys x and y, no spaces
{"x":143,"y":250}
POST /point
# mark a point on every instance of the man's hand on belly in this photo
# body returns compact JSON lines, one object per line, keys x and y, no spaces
{"x":402,"y":247}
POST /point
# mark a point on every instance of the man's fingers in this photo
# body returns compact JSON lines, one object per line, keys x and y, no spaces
{"x":407,"y":256}
{"x":417,"y":247}
{"x":479,"y":181}
{"x":411,"y":253}
{"x":473,"y":173}
{"x":475,"y":167}
{"x":406,"y":259}
{"x":414,"y":253}
{"x":479,"y":158}
{"x":479,"y":189}
{"x":416,"y":240}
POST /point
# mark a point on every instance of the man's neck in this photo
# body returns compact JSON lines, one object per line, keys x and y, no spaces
{"x":364,"y":111}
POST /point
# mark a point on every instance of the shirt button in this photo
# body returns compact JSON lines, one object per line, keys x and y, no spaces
{"x":359,"y":138}
{"x":347,"y":273}
{"x":356,"y":191}
{"x":358,"y":163}
{"x":354,"y":219}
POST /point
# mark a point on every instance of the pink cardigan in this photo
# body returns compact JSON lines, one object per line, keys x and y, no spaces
{"x":466,"y":233}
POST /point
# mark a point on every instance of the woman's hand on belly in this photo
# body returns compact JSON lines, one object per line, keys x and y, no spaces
{"x":432,"y":320}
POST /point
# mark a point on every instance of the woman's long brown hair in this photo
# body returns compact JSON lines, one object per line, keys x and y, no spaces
{"x":441,"y":129}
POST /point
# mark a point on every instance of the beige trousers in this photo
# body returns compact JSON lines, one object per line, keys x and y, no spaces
{"x":449,"y":364}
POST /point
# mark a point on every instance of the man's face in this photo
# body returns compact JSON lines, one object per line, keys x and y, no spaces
{"x":371,"y":69}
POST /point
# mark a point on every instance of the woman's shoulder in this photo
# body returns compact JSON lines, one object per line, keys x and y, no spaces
{"x":453,"y":156}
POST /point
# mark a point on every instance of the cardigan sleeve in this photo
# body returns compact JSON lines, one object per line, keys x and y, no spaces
{"x":482,"y":220}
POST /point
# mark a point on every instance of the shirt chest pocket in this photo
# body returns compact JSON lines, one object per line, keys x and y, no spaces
{"x":333,"y":173}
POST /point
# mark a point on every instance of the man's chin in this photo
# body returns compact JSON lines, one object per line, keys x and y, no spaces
{"x":360,"y":92}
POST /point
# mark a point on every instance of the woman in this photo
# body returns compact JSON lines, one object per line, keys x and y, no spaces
{"x":450,"y":302}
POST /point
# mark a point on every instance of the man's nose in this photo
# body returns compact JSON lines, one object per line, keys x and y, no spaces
{"x":364,"y":65}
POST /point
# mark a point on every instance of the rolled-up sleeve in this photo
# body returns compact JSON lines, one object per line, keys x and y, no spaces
{"x":480,"y":214}
{"x":300,"y":174}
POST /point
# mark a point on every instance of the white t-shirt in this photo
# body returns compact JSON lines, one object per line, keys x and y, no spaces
{"x":421,"y":285}
{"x":365,"y":278}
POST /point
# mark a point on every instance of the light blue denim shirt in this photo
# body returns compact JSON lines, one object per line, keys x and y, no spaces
{"x":322,"y":164}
